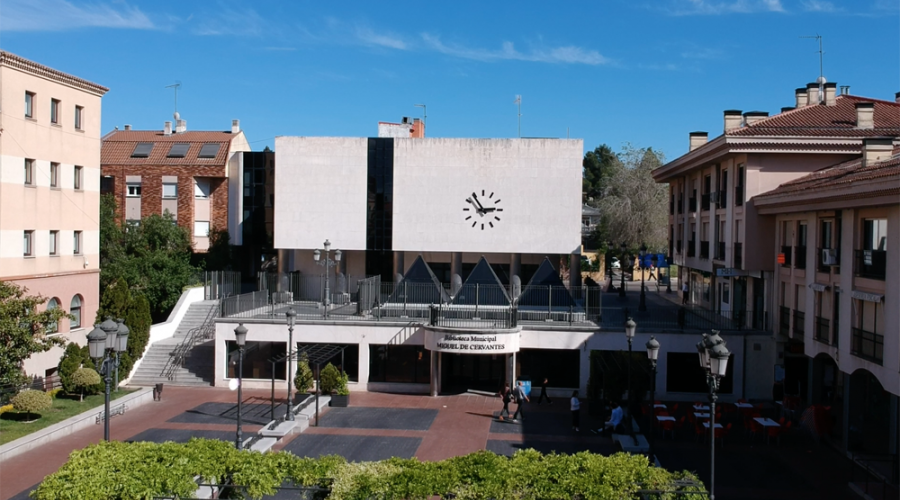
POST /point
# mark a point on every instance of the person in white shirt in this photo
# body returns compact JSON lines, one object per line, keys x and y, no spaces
{"x":575,"y":405}
{"x":614,"y":424}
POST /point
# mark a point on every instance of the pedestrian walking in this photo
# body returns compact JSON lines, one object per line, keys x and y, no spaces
{"x":521,"y":399}
{"x":575,"y":406}
{"x":506,"y":396}
{"x":684,"y":290}
{"x":544,"y":393}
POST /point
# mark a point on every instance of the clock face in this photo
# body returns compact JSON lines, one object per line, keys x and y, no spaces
{"x":482,"y":211}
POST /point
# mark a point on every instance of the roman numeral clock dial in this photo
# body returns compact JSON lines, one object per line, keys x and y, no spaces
{"x":482,"y":210}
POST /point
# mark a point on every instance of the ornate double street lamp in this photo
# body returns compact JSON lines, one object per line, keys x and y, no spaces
{"x":622,"y":265}
{"x":289,"y":414}
{"x":106,"y":341}
{"x":643,"y":304}
{"x":240,"y":338}
{"x":328,"y":263}
{"x":630,"y":327}
{"x":652,"y":354}
{"x":714,"y":360}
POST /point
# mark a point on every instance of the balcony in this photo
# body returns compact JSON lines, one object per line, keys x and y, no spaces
{"x":800,"y":257}
{"x":704,"y":250}
{"x":692,"y":248}
{"x":671,"y":207}
{"x":692,"y":204}
{"x":799,"y":319}
{"x":738,"y":196}
{"x":826,"y":266}
{"x":823,"y":330}
{"x":678,"y":246}
{"x":787,"y":256}
{"x":722,"y":199}
{"x":738,"y":255}
{"x":704,"y":202}
{"x":720,"y":250}
{"x":784,"y":320}
{"x":867,"y":345}
{"x":680,"y":205}
{"x":871,"y":264}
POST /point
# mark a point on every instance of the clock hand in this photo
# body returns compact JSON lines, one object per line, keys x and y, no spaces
{"x":475,"y":197}
{"x":490,"y":209}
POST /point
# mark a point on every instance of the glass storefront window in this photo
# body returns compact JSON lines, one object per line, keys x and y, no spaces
{"x":257,"y":359}
{"x":399,"y":363}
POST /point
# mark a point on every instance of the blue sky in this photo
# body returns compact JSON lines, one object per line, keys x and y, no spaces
{"x":644,"y":72}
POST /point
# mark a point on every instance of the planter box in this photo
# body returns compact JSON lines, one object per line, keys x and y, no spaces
{"x":339,"y":401}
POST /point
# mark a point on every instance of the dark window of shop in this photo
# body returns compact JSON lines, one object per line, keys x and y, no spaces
{"x":562,"y":368}
{"x":257,"y":359}
{"x":399,"y":363}
{"x":350,"y":359}
{"x":683,"y":374}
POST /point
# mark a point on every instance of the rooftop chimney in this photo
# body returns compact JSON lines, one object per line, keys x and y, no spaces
{"x":127,"y":127}
{"x":167,"y":129}
{"x":697,"y":139}
{"x":865,"y":115}
{"x":877,"y":149}
{"x":830,"y":90}
{"x":845,"y":90}
{"x":812,"y":92}
{"x":418,"y":129}
{"x":800,"y":95}
{"x":732,"y":119}
{"x":897,"y":97}
{"x":751,"y":117}
{"x":180,"y":126}
{"x":235,"y":126}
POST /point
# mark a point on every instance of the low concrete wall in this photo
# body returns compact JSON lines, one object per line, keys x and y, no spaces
{"x":68,"y":426}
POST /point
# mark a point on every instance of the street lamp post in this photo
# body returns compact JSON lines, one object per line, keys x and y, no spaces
{"x":714,"y":360}
{"x":642,"y":306}
{"x":609,"y":268}
{"x":630,"y":327}
{"x":240,"y":337}
{"x":105,"y":341}
{"x":622,"y":271}
{"x":328,"y":263}
{"x":289,"y":413}
{"x":652,"y":354}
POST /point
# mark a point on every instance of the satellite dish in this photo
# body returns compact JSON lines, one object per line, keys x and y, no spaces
{"x":233,"y":384}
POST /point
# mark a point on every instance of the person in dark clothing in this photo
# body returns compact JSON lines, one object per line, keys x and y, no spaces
{"x":506,"y":396}
{"x":544,"y":393}
{"x":521,"y":399}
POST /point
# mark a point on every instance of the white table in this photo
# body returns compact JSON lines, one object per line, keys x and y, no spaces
{"x":663,"y":418}
{"x":767,"y":422}
{"x":701,"y":407}
{"x":701,"y":415}
{"x":659,"y":406}
{"x":743,"y":406}
{"x":706,"y":424}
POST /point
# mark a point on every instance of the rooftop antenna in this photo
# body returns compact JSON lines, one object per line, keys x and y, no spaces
{"x":175,"y":86}
{"x":424,"y":115}
{"x":821,"y":80}
{"x":518,"y":102}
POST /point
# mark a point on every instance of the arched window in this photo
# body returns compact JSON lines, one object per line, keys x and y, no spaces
{"x":75,"y":310}
{"x":53,"y":304}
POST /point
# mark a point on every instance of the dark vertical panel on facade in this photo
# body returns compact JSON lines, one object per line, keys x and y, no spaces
{"x":379,"y":208}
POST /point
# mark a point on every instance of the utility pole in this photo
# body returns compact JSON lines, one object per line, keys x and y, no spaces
{"x":175,"y":86}
{"x":518,"y":102}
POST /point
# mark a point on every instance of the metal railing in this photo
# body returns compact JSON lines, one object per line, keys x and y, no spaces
{"x":720,"y":250}
{"x":876,"y":473}
{"x":692,"y":248}
{"x":704,"y":202}
{"x":788,"y":253}
{"x":692,"y":204}
{"x":738,"y":255}
{"x":738,"y":195}
{"x":247,"y":302}
{"x":823,"y":330}
{"x":871,"y":264}
{"x":800,"y":257}
{"x":784,"y":320}
{"x":680,"y":205}
{"x":867,"y":345}
{"x":470,"y":317}
{"x":220,"y":284}
{"x":722,"y":199}
{"x":684,"y":318}
{"x":704,"y":250}
{"x":799,"y":322}
{"x":204,"y":332}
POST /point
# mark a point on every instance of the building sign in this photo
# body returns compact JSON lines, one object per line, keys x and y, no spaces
{"x":471,"y":342}
{"x":869,"y":297}
{"x":818,"y":287}
{"x":781,"y":258}
{"x":730,"y":271}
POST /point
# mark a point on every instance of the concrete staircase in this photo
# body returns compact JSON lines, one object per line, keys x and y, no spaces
{"x":199,"y":364}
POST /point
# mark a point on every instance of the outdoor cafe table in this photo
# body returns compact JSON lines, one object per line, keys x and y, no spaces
{"x":767,"y":422}
{"x":701,"y":407}
{"x":663,"y":418}
{"x":718,"y":425}
{"x":743,"y":406}
{"x":659,"y":405}
{"x":701,"y":415}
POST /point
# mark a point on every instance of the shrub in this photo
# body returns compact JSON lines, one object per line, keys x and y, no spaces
{"x":71,"y":360}
{"x":342,"y":389}
{"x":31,"y":401}
{"x":6,"y":408}
{"x":304,"y":380}
{"x":54,"y":392}
{"x":330,"y":378}
{"x":84,"y":378}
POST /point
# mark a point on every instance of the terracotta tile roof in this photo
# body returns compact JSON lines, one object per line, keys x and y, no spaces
{"x":119,"y":145}
{"x":839,"y":176}
{"x":28,"y":66}
{"x":826,"y":121}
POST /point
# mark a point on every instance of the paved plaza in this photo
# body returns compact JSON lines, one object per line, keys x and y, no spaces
{"x":379,"y":425}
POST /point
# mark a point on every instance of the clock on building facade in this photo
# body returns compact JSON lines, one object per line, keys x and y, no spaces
{"x":482,"y":211}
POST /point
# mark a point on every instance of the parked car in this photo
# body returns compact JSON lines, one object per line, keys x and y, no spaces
{"x":615,"y":264}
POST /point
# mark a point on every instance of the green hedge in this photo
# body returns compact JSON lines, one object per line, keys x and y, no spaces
{"x":147,"y":470}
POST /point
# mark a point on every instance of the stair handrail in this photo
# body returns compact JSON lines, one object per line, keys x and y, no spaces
{"x":205,"y":331}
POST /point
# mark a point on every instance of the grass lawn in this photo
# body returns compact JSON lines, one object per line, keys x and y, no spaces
{"x":63,"y":407}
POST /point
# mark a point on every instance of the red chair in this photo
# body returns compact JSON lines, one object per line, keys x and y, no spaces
{"x":674,"y":408}
{"x":668,"y":425}
{"x":722,"y":433}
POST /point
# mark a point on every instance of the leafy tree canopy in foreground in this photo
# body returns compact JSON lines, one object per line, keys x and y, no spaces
{"x":23,"y":330}
{"x":147,"y":470}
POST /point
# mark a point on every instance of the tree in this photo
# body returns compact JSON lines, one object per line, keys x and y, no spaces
{"x":138,"y":320}
{"x":304,"y":379}
{"x":331,"y":379}
{"x":83,"y":379}
{"x":634,"y":207}
{"x":75,"y":358}
{"x":218,"y":257}
{"x":599,"y":166}
{"x":31,"y":402}
{"x":23,"y":330}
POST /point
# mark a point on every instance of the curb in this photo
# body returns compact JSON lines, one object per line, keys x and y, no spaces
{"x":70,"y":425}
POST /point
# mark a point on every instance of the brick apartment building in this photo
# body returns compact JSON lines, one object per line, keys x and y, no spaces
{"x":197,"y":176}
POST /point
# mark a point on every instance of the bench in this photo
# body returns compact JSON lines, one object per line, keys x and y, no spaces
{"x":115,"y":410}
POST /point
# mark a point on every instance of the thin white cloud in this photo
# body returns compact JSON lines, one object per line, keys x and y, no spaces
{"x":64,"y":15}
{"x":565,"y":54}
{"x":819,"y":6}
{"x":232,"y":22}
{"x":712,"y":7}
{"x":368,"y":37}
{"x":703,"y":53}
